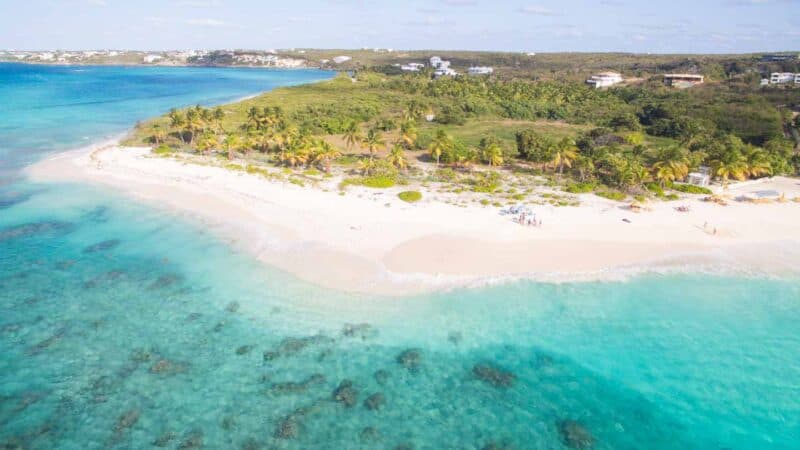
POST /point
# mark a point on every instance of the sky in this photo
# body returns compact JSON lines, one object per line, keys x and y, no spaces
{"x":642,"y":26}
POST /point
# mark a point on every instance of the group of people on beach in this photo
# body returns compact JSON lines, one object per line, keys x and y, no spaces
{"x":529,"y":221}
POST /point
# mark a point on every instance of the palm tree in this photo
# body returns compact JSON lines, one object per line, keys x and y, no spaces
{"x":730,"y":164}
{"x":584,"y":166}
{"x":671,"y":164}
{"x":193,"y":123}
{"x":287,"y":138}
{"x":493,"y":154}
{"x":442,"y":143}
{"x":231,"y":144}
{"x":207,"y":142}
{"x":373,"y":141}
{"x":352,"y":134}
{"x":408,"y":134}
{"x":325,"y":153}
{"x":158,"y":135}
{"x":176,"y":121}
{"x":397,"y":157}
{"x":639,"y":174}
{"x":254,"y":118}
{"x":757,"y":162}
{"x":565,"y":153}
{"x":366,"y":166}
{"x":413,"y":111}
{"x":219,"y":114}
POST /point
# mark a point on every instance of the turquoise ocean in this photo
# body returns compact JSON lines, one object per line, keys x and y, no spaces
{"x":125,"y":327}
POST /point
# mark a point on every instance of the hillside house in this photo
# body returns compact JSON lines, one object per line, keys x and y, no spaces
{"x":683,"y":80}
{"x":781,"y":78}
{"x":604,"y":79}
{"x":480,"y":70}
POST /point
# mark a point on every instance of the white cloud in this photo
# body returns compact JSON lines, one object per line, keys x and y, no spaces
{"x":535,"y":10}
{"x":199,"y":3}
{"x":208,"y":23}
{"x":211,"y":23}
{"x":459,"y":2}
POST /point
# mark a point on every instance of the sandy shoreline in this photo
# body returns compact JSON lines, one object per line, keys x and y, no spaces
{"x":370,"y":241}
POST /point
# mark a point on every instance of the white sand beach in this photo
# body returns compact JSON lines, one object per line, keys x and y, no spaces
{"x":372,"y":242}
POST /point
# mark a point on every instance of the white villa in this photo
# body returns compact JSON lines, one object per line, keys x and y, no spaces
{"x":150,"y":59}
{"x":412,"y":67}
{"x":439,"y":63}
{"x":782,"y":78}
{"x":604,"y":79}
{"x":683,"y":80}
{"x":341,"y":59}
{"x":444,"y":72}
{"x":480,"y":70}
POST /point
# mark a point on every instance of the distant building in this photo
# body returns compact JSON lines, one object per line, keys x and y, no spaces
{"x":604,"y":79}
{"x":781,"y":78}
{"x":444,"y":72}
{"x":150,"y":59}
{"x":341,"y":59}
{"x":439,"y":63}
{"x":699,"y":178}
{"x":412,"y":67}
{"x":683,"y":80}
{"x":765,"y":82}
{"x":779,"y":58}
{"x":480,"y":70}
{"x":797,"y":78}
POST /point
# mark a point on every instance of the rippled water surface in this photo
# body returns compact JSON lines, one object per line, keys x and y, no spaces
{"x":122,"y":326}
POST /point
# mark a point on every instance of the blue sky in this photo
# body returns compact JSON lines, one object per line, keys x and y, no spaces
{"x":685,"y":26}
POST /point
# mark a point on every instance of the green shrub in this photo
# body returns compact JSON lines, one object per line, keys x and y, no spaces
{"x":373,"y":181}
{"x":378,"y":181}
{"x":445,"y":175}
{"x":691,"y":189}
{"x":410,"y":196}
{"x":655,"y":188}
{"x":612,"y":195}
{"x":580,"y":188}
{"x":486,"y":182}
{"x":163,"y":149}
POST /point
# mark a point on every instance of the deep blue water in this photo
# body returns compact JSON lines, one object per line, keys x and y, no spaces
{"x":124,"y":327}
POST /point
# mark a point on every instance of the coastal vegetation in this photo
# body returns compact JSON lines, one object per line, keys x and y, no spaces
{"x":378,"y":130}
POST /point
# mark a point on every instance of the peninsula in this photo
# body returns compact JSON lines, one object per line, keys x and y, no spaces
{"x":401,"y":182}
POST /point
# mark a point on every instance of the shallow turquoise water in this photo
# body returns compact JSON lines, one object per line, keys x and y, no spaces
{"x":122,"y":326}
